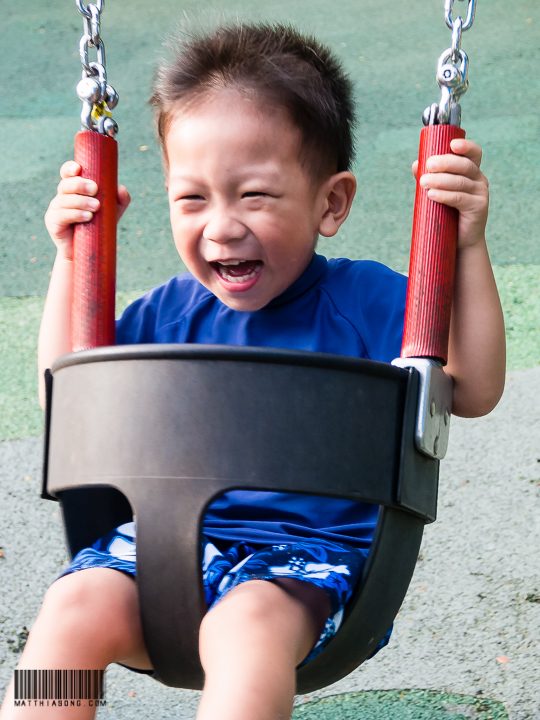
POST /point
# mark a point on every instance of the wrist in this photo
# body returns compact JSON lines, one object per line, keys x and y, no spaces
{"x":63,"y":256}
{"x":473,"y":247}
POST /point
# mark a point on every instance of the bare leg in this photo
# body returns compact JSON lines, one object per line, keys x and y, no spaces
{"x":250,"y":645}
{"x":88,"y":620}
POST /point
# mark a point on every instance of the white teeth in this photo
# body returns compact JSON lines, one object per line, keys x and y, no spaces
{"x":242,"y":278}
{"x":229,"y":262}
{"x":237,"y":279}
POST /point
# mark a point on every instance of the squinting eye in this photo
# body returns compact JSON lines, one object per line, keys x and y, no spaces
{"x":254,"y":193}
{"x":192,"y":197}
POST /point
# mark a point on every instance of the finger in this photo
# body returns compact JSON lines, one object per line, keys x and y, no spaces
{"x":453,"y":164}
{"x":70,"y":169}
{"x":75,"y":215}
{"x":124,"y":199}
{"x":415,"y":169}
{"x":77,"y":186}
{"x":451,"y":182}
{"x":59,"y":222}
{"x":72,"y":202}
{"x":464,"y":202}
{"x":468,"y":149}
{"x":66,"y":210}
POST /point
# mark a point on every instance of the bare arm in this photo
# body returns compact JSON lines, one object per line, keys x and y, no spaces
{"x":477,"y":351}
{"x":74,"y":203}
{"x":55,"y":328}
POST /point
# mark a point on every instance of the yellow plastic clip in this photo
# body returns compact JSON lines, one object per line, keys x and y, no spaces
{"x":100,"y":109}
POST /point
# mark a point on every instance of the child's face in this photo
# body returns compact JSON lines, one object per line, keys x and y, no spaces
{"x":245,"y":214}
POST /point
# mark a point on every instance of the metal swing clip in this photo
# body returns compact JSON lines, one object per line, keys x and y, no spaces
{"x":452,"y":70}
{"x":434,"y":405}
{"x":97,"y":96}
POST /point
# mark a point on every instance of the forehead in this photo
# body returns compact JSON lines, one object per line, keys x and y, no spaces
{"x":229,"y":128}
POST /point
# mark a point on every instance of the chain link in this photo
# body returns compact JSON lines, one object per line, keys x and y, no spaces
{"x":97,"y":96}
{"x":457,"y":29}
{"x":85,"y":11}
{"x":452,"y":69}
{"x":471,"y":11}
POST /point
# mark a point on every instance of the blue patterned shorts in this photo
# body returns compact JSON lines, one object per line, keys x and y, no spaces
{"x":331,"y":566}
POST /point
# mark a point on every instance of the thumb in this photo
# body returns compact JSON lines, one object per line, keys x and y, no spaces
{"x":124,"y":198}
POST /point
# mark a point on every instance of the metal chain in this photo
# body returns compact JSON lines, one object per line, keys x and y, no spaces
{"x":452,"y":70}
{"x":98,"y":97}
{"x":471,"y":11}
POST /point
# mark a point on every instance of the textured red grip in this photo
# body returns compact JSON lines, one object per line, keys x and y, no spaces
{"x":94,"y":247}
{"x":433,"y":259}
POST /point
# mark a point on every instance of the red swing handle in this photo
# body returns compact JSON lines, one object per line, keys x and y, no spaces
{"x":94,"y":247}
{"x":433,"y":258}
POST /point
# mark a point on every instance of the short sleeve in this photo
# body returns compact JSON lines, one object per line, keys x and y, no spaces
{"x":372,"y":297}
{"x":137,"y":322}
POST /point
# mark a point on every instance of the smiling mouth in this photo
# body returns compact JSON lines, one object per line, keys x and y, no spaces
{"x":237,"y":271}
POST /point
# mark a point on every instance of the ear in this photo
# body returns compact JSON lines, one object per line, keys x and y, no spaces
{"x":337,"y":195}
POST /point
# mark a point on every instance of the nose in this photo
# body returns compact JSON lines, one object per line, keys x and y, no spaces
{"x":222,"y":227}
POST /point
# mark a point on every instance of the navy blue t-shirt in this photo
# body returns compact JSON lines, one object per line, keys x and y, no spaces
{"x":339,"y":306}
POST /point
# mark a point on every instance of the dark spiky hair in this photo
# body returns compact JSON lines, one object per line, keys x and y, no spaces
{"x":276,"y":65}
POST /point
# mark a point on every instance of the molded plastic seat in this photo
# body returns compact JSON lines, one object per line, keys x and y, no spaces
{"x":162,"y":430}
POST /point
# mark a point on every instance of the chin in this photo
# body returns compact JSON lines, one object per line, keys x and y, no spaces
{"x":243,"y":304}
{"x":247,"y":301}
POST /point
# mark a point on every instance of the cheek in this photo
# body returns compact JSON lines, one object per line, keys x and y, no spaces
{"x":277,"y":229}
{"x":185,"y":237}
{"x":286,"y":236}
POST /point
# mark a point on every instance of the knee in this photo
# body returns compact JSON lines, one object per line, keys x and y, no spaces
{"x":81,"y":594}
{"x":86,"y":602}
{"x":252,"y":604}
{"x":257,"y":617}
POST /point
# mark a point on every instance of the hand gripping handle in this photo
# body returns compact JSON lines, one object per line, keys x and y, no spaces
{"x":94,"y":247}
{"x":433,"y":257}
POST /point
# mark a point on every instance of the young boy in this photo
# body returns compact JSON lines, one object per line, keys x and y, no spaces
{"x":256,"y":128}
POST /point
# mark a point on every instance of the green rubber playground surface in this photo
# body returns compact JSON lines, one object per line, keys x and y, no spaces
{"x":390,"y":49}
{"x":400,"y":705}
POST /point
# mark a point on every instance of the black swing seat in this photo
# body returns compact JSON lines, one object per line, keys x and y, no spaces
{"x":159,"y":431}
